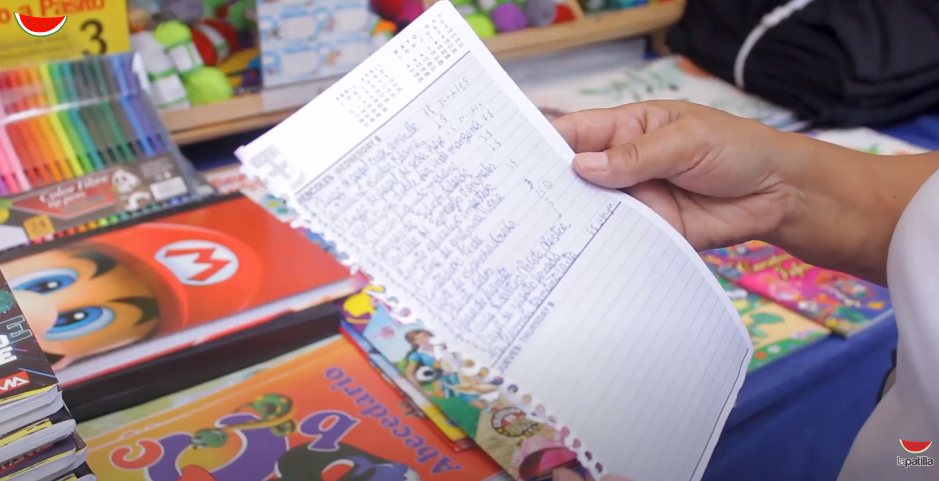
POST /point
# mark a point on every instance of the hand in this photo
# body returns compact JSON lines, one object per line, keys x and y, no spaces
{"x":711,"y":175}
{"x":568,"y":475}
{"x":720,"y":179}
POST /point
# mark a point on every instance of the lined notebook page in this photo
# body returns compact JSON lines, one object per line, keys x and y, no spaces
{"x":429,"y":166}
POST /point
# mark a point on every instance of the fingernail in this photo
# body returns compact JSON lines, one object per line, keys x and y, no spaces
{"x":562,"y":474}
{"x":593,"y":161}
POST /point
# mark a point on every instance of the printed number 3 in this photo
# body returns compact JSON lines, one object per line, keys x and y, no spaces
{"x":96,"y":30}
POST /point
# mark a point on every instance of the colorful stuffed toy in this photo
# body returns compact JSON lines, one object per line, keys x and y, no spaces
{"x":506,"y":15}
{"x":204,"y":84}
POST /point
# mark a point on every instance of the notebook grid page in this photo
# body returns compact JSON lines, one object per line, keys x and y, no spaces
{"x":455,"y":194}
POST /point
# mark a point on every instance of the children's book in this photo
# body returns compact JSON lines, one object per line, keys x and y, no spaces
{"x":112,"y":300}
{"x":775,"y":331}
{"x":867,"y":140}
{"x":325,"y":414}
{"x":668,"y":78}
{"x":116,"y":420}
{"x":842,"y":303}
{"x":526,"y":448}
{"x":414,"y":394}
{"x":570,"y":321}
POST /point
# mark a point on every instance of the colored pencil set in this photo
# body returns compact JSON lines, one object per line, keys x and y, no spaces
{"x":63,"y":121}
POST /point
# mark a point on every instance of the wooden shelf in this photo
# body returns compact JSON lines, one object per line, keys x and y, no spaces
{"x":254,"y":111}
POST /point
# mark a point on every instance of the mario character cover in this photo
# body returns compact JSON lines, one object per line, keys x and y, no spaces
{"x":148,"y":280}
{"x":323,"y":415}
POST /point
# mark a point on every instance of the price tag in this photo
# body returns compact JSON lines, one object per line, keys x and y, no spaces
{"x":38,"y":226}
{"x":92,"y":27}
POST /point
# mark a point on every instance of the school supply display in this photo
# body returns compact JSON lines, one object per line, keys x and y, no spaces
{"x":49,"y":30}
{"x":439,"y":179}
{"x":80,"y":147}
{"x":37,"y":439}
{"x":113,"y":300}
{"x":867,"y":140}
{"x":842,"y":303}
{"x":815,"y":58}
{"x":414,"y":394}
{"x":775,"y":331}
{"x":325,"y":414}
{"x":304,"y":42}
{"x":668,"y":78}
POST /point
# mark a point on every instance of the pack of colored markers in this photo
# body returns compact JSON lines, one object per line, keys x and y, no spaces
{"x":82,"y":147}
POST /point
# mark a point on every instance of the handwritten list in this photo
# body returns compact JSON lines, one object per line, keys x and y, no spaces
{"x":479,"y":223}
{"x":429,"y":167}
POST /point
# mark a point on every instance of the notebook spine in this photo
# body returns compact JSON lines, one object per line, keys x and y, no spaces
{"x":509,"y":394}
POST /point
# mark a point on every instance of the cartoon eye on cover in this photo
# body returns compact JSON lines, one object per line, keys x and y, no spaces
{"x":348,"y":463}
{"x":123,"y":287}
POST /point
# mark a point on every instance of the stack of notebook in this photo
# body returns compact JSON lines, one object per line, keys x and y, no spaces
{"x":38,"y":440}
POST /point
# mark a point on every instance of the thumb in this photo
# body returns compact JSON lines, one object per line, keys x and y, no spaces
{"x":660,"y":154}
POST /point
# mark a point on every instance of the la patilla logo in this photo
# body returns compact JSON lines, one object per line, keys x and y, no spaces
{"x":198,"y":262}
{"x":918,"y":450}
{"x":40,"y":26}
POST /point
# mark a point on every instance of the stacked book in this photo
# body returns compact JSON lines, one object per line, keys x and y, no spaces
{"x":38,"y":441}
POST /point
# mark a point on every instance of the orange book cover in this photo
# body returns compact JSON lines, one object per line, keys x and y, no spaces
{"x":324,"y":415}
{"x":128,"y":295}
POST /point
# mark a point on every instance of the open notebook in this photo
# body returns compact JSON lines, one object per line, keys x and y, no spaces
{"x":430,"y":168}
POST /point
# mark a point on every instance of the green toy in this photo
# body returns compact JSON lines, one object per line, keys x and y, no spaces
{"x":478,"y":21}
{"x":242,"y":15}
{"x":203,"y":84}
{"x":212,"y":6}
{"x":176,"y":39}
{"x":207,"y":85}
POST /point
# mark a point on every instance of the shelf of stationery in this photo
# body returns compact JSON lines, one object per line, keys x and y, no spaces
{"x":255,"y":111}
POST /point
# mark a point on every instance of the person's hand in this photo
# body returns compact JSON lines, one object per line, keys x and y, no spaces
{"x":720,"y":179}
{"x":568,"y":475}
{"x":711,"y":175}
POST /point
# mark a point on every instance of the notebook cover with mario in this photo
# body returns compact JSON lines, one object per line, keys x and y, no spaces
{"x":124,"y":296}
{"x":323,"y":415}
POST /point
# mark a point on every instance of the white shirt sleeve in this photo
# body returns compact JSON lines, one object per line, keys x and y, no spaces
{"x":910,"y":408}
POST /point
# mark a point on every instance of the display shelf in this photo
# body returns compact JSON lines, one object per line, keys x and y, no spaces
{"x":260,"y":110}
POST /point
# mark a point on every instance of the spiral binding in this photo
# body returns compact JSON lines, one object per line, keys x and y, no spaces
{"x":450,"y":360}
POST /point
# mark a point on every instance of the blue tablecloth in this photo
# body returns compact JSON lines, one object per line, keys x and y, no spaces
{"x":794,"y":419}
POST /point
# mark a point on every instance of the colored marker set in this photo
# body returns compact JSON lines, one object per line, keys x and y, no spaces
{"x":81,"y":147}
